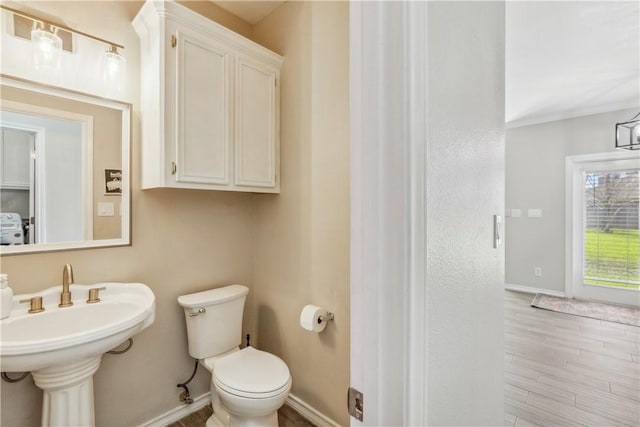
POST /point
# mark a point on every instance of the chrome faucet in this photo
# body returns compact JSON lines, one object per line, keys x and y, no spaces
{"x":67,"y":279}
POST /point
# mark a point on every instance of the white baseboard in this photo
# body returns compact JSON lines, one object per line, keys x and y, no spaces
{"x":310,"y":413}
{"x":178,"y":412}
{"x":303,"y":408}
{"x":532,"y":290}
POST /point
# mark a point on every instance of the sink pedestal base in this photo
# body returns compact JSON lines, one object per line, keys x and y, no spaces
{"x":68,"y":393}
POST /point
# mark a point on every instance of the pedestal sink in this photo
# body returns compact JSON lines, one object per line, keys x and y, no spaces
{"x":62,"y":347}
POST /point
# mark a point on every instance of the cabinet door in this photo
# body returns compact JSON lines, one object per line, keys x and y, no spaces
{"x":256,"y":124}
{"x":15,"y":158}
{"x":202,"y":114}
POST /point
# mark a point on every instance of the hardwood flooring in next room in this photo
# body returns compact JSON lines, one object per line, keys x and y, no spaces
{"x":564,"y":370}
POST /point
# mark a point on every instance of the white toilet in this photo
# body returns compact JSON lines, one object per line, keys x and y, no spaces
{"x":248,"y":386}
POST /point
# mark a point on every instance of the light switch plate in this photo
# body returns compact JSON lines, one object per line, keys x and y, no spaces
{"x":534,"y":213}
{"x":105,"y":209}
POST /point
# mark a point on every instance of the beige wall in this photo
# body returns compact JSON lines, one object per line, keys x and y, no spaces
{"x":183,"y":241}
{"x":290,"y":249}
{"x":302,"y":236}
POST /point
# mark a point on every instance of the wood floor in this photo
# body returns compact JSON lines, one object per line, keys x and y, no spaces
{"x":287,"y":417}
{"x":564,"y":370}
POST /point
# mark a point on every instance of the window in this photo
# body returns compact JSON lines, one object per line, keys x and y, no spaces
{"x":601,"y":240}
{"x":610,"y":227}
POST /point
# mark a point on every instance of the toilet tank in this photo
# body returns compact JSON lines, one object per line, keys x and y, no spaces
{"x":214,"y":320}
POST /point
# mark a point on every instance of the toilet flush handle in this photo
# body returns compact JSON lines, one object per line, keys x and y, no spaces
{"x":200,"y":311}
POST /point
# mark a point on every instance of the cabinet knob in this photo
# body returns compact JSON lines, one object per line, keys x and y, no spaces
{"x":174,"y":168}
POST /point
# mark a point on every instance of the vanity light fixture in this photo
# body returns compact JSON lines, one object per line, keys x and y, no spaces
{"x":113,"y":66}
{"x":48,"y":44}
{"x":628,"y":134}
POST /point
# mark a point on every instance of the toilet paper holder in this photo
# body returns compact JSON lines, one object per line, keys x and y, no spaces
{"x":314,"y":318}
{"x":326,"y":317}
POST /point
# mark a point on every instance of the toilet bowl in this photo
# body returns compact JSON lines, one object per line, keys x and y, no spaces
{"x":251,"y":385}
{"x":248,"y":385}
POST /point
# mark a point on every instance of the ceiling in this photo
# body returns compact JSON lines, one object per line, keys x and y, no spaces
{"x":563,"y":58}
{"x":249,"y":10}
{"x":567,"y":59}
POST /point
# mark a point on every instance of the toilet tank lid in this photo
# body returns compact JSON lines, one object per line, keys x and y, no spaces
{"x":213,"y":296}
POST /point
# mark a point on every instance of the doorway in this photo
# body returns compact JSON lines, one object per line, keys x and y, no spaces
{"x":18,"y":183}
{"x":602,"y":227}
{"x":47,"y":160}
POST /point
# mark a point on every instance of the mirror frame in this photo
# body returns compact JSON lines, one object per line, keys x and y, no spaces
{"x":126,"y":134}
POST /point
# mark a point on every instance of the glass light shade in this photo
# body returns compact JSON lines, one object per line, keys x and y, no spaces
{"x":113,"y":67}
{"x":47,"y":49}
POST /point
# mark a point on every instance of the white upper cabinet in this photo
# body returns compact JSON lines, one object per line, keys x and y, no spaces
{"x":210,"y":104}
{"x":16,"y":147}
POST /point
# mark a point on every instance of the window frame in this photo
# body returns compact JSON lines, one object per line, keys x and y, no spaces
{"x":575,"y":166}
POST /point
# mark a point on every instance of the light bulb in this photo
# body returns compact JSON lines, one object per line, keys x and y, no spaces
{"x":113,"y":66}
{"x":47,"y":47}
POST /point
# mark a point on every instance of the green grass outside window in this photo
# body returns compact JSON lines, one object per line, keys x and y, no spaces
{"x":614,"y":255}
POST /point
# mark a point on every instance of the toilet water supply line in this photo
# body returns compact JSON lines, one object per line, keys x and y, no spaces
{"x":185,"y":396}
{"x":5,"y":376}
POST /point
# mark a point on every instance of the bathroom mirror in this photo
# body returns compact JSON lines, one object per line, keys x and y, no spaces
{"x":64,"y":169}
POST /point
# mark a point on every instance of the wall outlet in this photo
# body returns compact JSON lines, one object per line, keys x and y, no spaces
{"x":537,"y":271}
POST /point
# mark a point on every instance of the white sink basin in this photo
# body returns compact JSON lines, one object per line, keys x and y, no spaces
{"x":63,"y":347}
{"x":30,"y":342}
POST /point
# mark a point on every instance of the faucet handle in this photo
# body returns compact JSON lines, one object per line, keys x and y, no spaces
{"x":94,"y":295}
{"x":35,"y":304}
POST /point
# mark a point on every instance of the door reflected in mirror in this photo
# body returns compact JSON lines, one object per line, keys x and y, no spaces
{"x":64,"y":167}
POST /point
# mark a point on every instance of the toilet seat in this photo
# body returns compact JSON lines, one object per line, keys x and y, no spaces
{"x":251,"y":373}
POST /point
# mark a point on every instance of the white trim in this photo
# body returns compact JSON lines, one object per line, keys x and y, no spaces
{"x":416,"y":332}
{"x":178,"y":412}
{"x":532,"y":290}
{"x":87,"y":178}
{"x":388,"y":246}
{"x":574,"y":283}
{"x":312,"y":415}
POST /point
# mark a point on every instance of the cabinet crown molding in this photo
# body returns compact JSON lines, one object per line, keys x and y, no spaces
{"x":172,"y":11}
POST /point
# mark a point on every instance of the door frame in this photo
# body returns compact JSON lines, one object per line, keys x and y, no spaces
{"x":37,"y":206}
{"x":86,"y":124}
{"x":574,"y":167}
{"x":389,"y":96}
